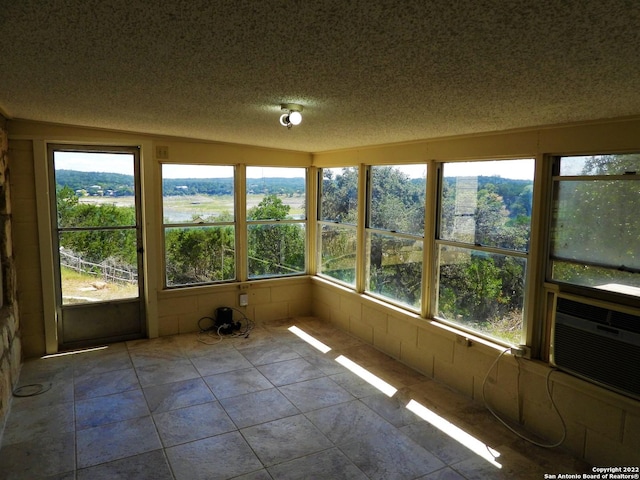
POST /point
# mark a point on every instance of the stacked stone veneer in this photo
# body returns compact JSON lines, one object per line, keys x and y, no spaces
{"x":10,"y":346}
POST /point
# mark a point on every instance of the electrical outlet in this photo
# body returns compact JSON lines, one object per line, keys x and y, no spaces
{"x":521,"y":351}
{"x":243,"y":299}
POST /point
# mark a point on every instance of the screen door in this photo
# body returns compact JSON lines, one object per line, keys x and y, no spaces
{"x":97,"y":241}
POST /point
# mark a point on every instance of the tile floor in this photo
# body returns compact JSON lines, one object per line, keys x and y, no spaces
{"x":270,"y":406}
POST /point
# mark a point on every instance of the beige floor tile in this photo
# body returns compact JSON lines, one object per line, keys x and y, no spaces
{"x":285,"y":439}
{"x":40,"y":457}
{"x":169,"y":396}
{"x":237,"y":382}
{"x":96,"y":411}
{"x":289,"y":371}
{"x":192,"y":423}
{"x":391,"y":456}
{"x":266,"y":406}
{"x":331,"y":463}
{"x":146,"y":466}
{"x":106,"y":383}
{"x":114,"y":441}
{"x":214,"y":458}
{"x":258,"y":407}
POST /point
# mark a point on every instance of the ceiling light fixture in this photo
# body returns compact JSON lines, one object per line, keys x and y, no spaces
{"x":292,"y":116}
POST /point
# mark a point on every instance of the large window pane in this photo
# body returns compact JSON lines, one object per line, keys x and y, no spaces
{"x":276,"y":249}
{"x":197,"y":193}
{"x":595,"y":227}
{"x":96,"y":218}
{"x":276,"y":194}
{"x":198,"y":212}
{"x":482,"y":291}
{"x":266,"y":184}
{"x":598,"y":221}
{"x":487,"y":203}
{"x":604,"y":278}
{"x":98,"y":265}
{"x":599,"y":165}
{"x":196,"y":255}
{"x":398,"y":198}
{"x":339,"y":196}
{"x":395,"y":268}
{"x":338,"y":253}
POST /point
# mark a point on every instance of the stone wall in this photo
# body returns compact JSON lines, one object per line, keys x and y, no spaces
{"x":10,"y":346}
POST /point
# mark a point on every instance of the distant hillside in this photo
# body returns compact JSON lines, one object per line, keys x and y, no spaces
{"x":117,"y":183}
{"x":516,"y":193}
{"x":224,"y":186}
{"x":120,"y":185}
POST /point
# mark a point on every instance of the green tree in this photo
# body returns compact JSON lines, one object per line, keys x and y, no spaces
{"x":477,"y":288}
{"x":397,"y":204}
{"x":66,"y":202}
{"x":340,"y":195}
{"x":98,"y":245}
{"x":200,"y":254}
{"x":274,"y":249}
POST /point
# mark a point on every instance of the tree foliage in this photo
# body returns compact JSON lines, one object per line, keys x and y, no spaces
{"x":476,"y":288}
{"x":274,"y":249}
{"x":482,"y":289}
{"x":96,"y":245}
{"x":596,"y":228}
{"x":340,"y":195}
{"x":199,"y":254}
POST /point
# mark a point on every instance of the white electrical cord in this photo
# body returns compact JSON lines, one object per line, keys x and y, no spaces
{"x":553,"y":404}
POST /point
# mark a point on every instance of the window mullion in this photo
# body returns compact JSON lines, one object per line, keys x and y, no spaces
{"x":429,"y":277}
{"x":361,"y":261}
{"x":483,"y":248}
{"x":242,"y":261}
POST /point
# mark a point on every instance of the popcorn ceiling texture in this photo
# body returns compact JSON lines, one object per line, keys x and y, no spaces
{"x":367,"y":72}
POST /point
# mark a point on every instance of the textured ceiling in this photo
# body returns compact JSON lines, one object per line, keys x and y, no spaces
{"x":366,"y":71}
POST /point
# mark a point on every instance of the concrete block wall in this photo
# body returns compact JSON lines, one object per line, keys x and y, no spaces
{"x":26,"y":246}
{"x":180,"y":310}
{"x":10,"y":343}
{"x":601,"y":426}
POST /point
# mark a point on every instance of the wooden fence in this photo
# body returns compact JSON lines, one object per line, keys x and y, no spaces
{"x":107,"y":270}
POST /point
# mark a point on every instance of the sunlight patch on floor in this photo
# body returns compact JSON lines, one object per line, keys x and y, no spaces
{"x":367,"y":376}
{"x":74,"y":352}
{"x":459,"y":435}
{"x":314,"y":342}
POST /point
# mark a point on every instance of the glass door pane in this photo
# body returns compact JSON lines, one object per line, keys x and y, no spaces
{"x":96,"y":226}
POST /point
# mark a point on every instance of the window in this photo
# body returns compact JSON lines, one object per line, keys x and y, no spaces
{"x":276,"y":221}
{"x":199,"y":228}
{"x":482,"y":245}
{"x":595,"y":227}
{"x":395,"y":232}
{"x":338,"y":218}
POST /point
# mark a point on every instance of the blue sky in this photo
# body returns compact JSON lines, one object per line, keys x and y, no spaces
{"x":123,"y":163}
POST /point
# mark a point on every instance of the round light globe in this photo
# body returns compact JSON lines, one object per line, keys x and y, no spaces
{"x":295,"y":118}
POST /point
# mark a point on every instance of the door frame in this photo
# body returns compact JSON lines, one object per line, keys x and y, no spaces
{"x":138,"y":330}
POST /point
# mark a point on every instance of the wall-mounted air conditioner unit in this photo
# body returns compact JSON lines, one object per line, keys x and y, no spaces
{"x":597,"y":343}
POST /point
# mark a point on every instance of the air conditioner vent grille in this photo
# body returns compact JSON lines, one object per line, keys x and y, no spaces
{"x":598,"y":344}
{"x":604,"y":316}
{"x":625,"y":321}
{"x":606,"y":360}
{"x":582,"y":310}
